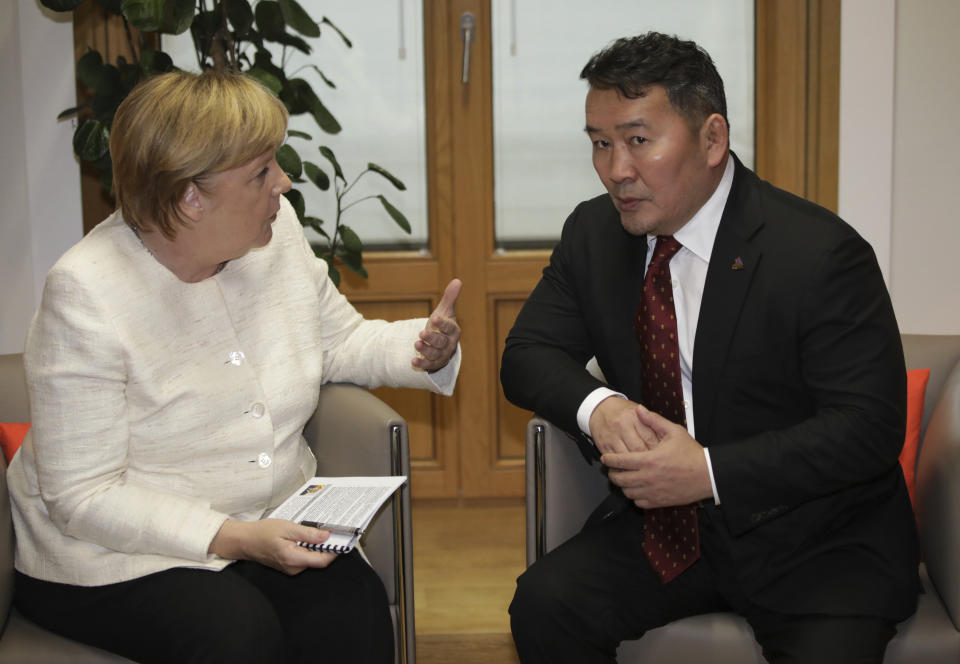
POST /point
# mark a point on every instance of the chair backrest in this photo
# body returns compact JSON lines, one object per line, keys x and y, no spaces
{"x":938,"y":470}
{"x":937,"y":352}
{"x":14,"y":407}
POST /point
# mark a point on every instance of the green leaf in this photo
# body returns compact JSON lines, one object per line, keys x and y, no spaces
{"x":328,"y":153}
{"x":298,"y":19}
{"x":289,"y":161}
{"x":265,"y":78}
{"x":269,"y":19}
{"x":299,"y":97}
{"x":296,"y":200}
{"x":321,"y":250}
{"x":202,"y":30}
{"x":167,"y":16}
{"x":89,"y":68}
{"x":272,"y":27}
{"x":155,"y":62}
{"x":240,"y":15}
{"x":61,"y":5}
{"x":104,"y":163}
{"x":338,"y":31}
{"x":106,"y":180}
{"x":262,"y":60}
{"x":297,"y":43}
{"x":380,"y":170}
{"x":396,"y":214}
{"x":353,"y":260}
{"x":325,"y":79}
{"x":331,"y":269}
{"x":129,"y":76}
{"x":91,"y":140}
{"x":316,"y":224}
{"x":295,"y":96}
{"x":351,"y":241}
{"x":316,"y":175}
{"x":70,"y":111}
{"x":299,"y":134}
{"x":109,"y":93}
{"x":330,"y":84}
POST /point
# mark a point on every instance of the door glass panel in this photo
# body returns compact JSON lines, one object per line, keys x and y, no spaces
{"x":379,"y":102}
{"x":542,"y":164}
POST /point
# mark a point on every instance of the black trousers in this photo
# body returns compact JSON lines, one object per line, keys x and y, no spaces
{"x":246,"y":613}
{"x":581,"y":600}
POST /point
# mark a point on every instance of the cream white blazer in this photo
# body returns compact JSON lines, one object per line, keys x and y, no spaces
{"x":161,"y":408}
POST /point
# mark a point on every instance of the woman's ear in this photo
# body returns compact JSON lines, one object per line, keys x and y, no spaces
{"x":716,"y":137}
{"x":191,"y":202}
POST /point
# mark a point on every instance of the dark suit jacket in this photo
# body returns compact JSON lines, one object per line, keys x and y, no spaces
{"x":799,"y":390}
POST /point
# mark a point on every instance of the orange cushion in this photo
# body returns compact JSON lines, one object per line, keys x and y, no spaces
{"x":916,"y":389}
{"x":11,"y":435}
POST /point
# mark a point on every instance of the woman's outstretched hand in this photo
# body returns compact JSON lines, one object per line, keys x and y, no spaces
{"x":440,"y":336}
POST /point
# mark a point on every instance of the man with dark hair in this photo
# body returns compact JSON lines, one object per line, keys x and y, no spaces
{"x":753,"y":403}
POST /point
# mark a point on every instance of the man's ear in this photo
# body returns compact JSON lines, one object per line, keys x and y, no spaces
{"x":191,"y":202}
{"x":715,"y":135}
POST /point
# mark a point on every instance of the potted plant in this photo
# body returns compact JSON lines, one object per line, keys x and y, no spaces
{"x":244,"y":36}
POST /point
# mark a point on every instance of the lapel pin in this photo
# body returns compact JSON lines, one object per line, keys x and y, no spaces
{"x":737,"y":264}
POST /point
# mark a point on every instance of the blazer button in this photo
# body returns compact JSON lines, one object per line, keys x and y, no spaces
{"x":257,"y":410}
{"x":264,"y":460}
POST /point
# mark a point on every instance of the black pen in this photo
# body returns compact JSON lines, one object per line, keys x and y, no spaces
{"x":333,"y":527}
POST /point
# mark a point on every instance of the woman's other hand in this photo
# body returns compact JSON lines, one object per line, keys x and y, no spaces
{"x":271,"y":542}
{"x":440,"y":337}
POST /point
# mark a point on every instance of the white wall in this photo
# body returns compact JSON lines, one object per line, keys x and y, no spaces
{"x":925,"y":261}
{"x":868,"y":28}
{"x":900,"y":91}
{"x":39,"y":181}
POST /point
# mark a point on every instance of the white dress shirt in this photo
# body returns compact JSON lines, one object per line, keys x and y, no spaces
{"x":688,"y":271}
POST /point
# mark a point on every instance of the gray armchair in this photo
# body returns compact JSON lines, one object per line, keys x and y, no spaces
{"x":352,"y":432}
{"x":562,"y":489}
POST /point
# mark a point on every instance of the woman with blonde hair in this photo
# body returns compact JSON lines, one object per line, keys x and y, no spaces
{"x":173,"y":362}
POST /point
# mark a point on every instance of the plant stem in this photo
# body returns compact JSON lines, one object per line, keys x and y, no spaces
{"x":201,"y":10}
{"x":355,"y":180}
{"x":336,"y":223}
{"x":133,"y":48}
{"x":359,"y":200}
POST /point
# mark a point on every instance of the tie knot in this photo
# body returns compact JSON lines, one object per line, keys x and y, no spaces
{"x":665,"y":249}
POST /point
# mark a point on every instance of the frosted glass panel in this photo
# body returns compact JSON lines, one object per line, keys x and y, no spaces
{"x":379,"y":102}
{"x":542,"y":162}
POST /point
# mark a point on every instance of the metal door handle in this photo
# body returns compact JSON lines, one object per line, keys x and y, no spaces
{"x":467,"y":25}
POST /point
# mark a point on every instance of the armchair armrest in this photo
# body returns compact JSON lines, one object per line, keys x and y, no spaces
{"x":938,"y":496}
{"x":353,"y":433}
{"x":559,"y":481}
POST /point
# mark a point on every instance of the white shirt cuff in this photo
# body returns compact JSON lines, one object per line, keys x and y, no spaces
{"x":713,"y":482}
{"x":590,"y":403}
{"x":445,"y":378}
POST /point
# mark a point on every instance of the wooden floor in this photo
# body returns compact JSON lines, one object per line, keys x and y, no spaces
{"x":466,"y":558}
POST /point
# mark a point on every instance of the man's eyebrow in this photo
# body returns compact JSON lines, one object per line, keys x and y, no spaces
{"x":620,"y":127}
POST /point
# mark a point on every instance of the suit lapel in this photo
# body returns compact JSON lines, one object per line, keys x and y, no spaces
{"x":629,"y":297}
{"x":733,"y":264}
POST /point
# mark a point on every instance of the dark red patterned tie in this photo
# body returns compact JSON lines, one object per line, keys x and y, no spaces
{"x":670,"y":537}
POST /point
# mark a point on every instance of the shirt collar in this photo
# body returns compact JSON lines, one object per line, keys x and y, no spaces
{"x":698,"y":234}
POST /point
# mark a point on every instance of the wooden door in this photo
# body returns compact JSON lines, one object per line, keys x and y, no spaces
{"x":470,"y":445}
